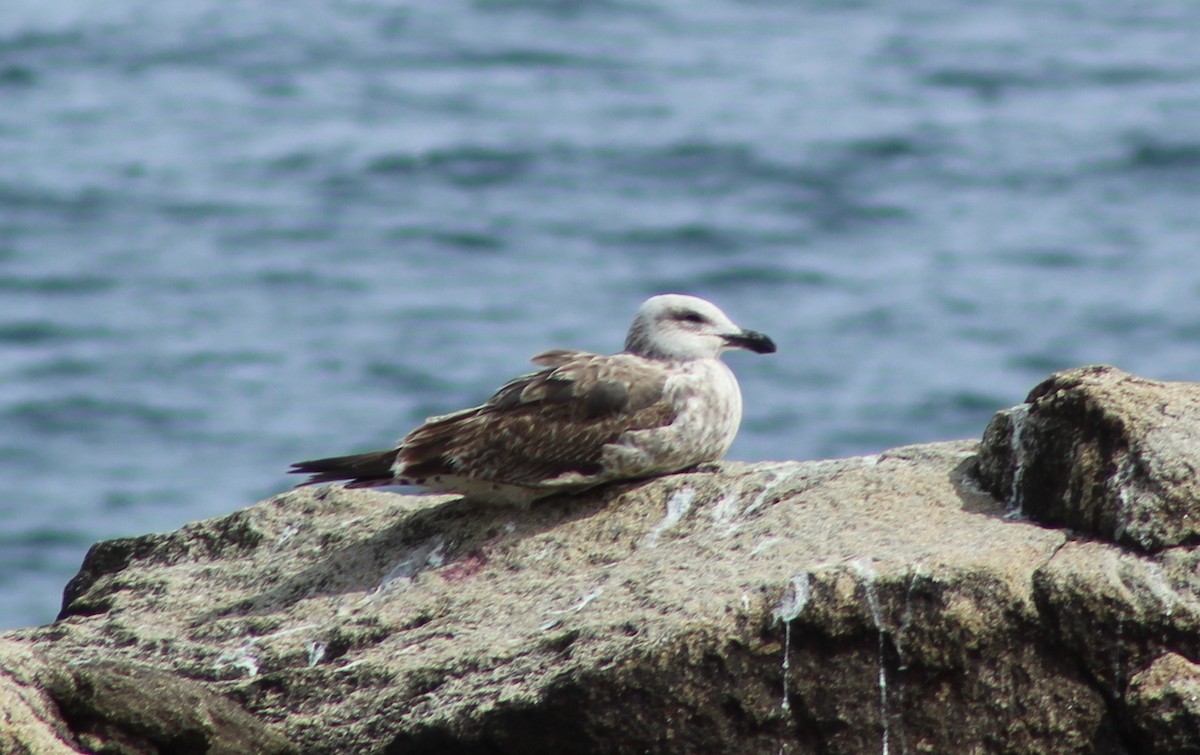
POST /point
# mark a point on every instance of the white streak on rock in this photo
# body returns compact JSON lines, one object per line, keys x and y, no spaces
{"x":726,"y":509}
{"x":1129,"y":520}
{"x":777,"y":478}
{"x":918,"y":573}
{"x":1156,"y":582}
{"x":866,"y":572}
{"x":583,"y":602}
{"x":1018,"y":416}
{"x":429,"y":554}
{"x":678,"y":505}
{"x":728,"y":512}
{"x":795,"y":598}
{"x":242,"y":657}
{"x":286,"y":632}
{"x":316,"y":653}
{"x":764,"y":545}
{"x":287,"y":534}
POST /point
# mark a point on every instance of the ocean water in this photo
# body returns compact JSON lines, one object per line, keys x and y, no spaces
{"x":236,"y":234}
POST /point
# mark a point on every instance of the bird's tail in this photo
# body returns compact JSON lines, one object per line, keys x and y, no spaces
{"x":368,"y":470}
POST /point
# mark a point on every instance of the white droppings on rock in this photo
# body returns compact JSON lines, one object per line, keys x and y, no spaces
{"x":678,"y":505}
{"x":436,"y":557}
{"x":316,"y":653}
{"x":777,"y":478}
{"x":242,"y":657}
{"x":1162,"y":589}
{"x":728,"y":512}
{"x":287,"y":534}
{"x":1018,"y":416}
{"x":795,"y":598}
{"x":764,"y":545}
{"x":727,"y":507}
{"x":427,"y":555}
{"x":583,"y":602}
{"x":918,"y":573}
{"x":866,"y":572}
{"x":285,"y":632}
{"x":1130,"y":521}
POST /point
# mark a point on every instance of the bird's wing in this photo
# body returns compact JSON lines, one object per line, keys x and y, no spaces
{"x":546,"y":424}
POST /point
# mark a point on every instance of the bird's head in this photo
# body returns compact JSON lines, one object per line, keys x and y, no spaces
{"x":680,"y":327}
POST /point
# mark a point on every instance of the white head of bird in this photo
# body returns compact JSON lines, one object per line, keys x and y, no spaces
{"x":678,"y":328}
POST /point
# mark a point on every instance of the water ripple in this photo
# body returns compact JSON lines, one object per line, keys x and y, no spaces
{"x":42,"y":332}
{"x":90,"y":416}
{"x":56,"y":285}
{"x":464,"y":166}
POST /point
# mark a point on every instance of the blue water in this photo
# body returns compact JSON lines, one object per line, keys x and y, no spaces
{"x":235,"y":234}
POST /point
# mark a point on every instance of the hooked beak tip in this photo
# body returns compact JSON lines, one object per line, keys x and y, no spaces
{"x":751,"y":340}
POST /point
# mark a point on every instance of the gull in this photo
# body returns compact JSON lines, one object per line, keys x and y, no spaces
{"x":664,"y":404}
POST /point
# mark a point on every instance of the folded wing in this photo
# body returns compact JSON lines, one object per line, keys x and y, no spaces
{"x":544,"y":426}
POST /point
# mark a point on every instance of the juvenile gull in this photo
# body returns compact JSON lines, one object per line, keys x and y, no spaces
{"x":665,"y":403}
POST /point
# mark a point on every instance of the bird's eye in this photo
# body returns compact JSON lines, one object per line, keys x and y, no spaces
{"x":695,"y":317}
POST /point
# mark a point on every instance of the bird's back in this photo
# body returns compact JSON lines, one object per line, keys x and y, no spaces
{"x":543,"y":429}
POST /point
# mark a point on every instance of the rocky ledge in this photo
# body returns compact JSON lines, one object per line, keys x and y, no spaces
{"x":928,"y":599}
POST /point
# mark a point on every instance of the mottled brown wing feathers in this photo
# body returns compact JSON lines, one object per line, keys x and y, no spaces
{"x":546,"y":423}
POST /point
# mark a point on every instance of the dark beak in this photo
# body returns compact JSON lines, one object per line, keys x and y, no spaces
{"x":752,"y":341}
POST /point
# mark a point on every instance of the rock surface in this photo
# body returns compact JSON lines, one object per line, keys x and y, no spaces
{"x":875,"y":604}
{"x":1103,"y":452}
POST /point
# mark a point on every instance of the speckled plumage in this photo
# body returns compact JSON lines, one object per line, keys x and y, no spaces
{"x":665,"y":403}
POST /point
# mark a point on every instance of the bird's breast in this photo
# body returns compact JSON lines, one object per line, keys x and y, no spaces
{"x":708,"y":410}
{"x":711,"y":402}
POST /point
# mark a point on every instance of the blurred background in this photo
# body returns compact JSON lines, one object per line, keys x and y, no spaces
{"x":236,"y":234}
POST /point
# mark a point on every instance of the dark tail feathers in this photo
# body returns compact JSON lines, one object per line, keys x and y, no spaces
{"x":362,"y":470}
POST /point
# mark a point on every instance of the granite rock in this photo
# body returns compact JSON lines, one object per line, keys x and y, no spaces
{"x":889,"y":603}
{"x":1103,"y":452}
